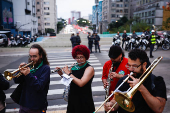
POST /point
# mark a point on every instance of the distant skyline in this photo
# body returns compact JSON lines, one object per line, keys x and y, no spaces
{"x":64,"y":7}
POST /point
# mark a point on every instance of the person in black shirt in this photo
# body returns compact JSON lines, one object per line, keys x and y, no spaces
{"x":73,"y":40}
{"x":96,"y":42}
{"x":124,"y":37}
{"x":90,"y":42}
{"x":4,"y":85}
{"x":78,"y":39}
{"x":151,"y":95}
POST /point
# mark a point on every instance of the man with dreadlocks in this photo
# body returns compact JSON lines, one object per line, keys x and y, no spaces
{"x":35,"y":82}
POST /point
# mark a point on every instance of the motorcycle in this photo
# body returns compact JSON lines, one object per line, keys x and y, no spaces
{"x":116,"y":40}
{"x":165,"y":42}
{"x":18,"y":41}
{"x":158,"y":44}
{"x":127,"y":42}
{"x":144,"y":43}
{"x":133,"y":43}
{"x":13,"y":42}
{"x":28,"y":39}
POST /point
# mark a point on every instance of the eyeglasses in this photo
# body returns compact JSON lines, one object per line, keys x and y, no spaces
{"x":132,"y":66}
{"x":32,"y":56}
{"x":77,"y":58}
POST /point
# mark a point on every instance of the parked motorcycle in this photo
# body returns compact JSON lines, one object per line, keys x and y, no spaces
{"x":13,"y":42}
{"x":144,"y":43}
{"x":28,"y":40}
{"x":165,"y":42}
{"x":127,"y":42}
{"x":116,"y":40}
{"x":18,"y":41}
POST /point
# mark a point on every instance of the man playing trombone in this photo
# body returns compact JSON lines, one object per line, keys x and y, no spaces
{"x":150,"y":96}
{"x":35,"y":82}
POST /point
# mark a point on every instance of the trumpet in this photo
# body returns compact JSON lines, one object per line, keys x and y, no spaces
{"x":124,"y":99}
{"x":10,"y":75}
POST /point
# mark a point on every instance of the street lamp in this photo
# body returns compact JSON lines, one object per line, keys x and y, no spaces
{"x":97,"y":3}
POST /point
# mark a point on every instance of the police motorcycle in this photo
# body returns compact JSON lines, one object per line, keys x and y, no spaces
{"x":127,"y":42}
{"x":13,"y":42}
{"x":35,"y":38}
{"x":116,"y":40}
{"x":18,"y":40}
{"x":144,"y":43}
{"x":28,"y":40}
{"x":165,"y":42}
{"x":133,"y":43}
{"x":23,"y":40}
{"x":158,"y":43}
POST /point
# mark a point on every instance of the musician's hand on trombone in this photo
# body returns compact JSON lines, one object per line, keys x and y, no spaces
{"x":105,"y":83}
{"x":133,"y":82}
{"x":108,"y":105}
{"x":25,"y":71}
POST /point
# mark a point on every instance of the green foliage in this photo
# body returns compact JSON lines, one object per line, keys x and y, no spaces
{"x":49,"y":30}
{"x":166,"y":23}
{"x":83,"y":22}
{"x":59,"y":26}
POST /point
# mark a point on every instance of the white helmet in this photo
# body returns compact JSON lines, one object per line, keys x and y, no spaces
{"x":143,"y":34}
{"x":164,"y":33}
{"x":116,"y":35}
{"x":130,"y":34}
{"x":153,"y":31}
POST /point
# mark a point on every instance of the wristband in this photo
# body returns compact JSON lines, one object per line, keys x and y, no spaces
{"x":69,"y":74}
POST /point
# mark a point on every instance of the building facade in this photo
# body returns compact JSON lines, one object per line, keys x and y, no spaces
{"x":25,"y":19}
{"x":150,"y":11}
{"x":47,"y":15}
{"x":74,"y":16}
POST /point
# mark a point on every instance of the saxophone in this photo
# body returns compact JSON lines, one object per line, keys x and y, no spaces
{"x":109,"y":80}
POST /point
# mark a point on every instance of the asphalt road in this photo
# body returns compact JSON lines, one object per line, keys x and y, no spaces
{"x":62,"y":56}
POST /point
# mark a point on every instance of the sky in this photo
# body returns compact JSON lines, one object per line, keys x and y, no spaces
{"x":64,"y":7}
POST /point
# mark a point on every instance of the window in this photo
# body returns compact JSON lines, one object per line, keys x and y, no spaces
{"x":126,"y":10}
{"x":34,"y":30}
{"x":46,"y":3}
{"x":113,"y":0}
{"x":121,"y":5}
{"x":39,"y":24}
{"x":121,"y":10}
{"x":46,"y":18}
{"x":153,"y":21}
{"x":47,"y":24}
{"x":46,"y":13}
{"x":117,"y":5}
{"x":113,"y":5}
{"x":38,"y":17}
{"x":117,"y":10}
{"x":38,"y":2}
{"x":38,"y":10}
{"x":126,"y":5}
{"x":113,"y":10}
{"x":153,"y":13}
{"x":112,"y":15}
{"x":28,"y":3}
{"x":146,"y":14}
{"x":143,"y":14}
{"x":46,"y":8}
{"x":149,"y":13}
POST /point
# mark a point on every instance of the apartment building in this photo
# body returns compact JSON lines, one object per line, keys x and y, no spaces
{"x":150,"y":11}
{"x":47,"y":15}
{"x":25,"y":19}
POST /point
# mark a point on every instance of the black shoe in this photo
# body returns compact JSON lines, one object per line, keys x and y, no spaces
{"x":151,"y":56}
{"x":99,"y":51}
{"x":95,"y":51}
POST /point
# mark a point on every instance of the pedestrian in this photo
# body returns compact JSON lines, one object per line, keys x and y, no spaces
{"x":134,"y":35}
{"x":152,"y":40}
{"x":118,"y":35}
{"x":4,"y":85}
{"x":150,"y":96}
{"x":90,"y":42}
{"x":124,"y":38}
{"x":73,"y":40}
{"x":96,"y":42}
{"x":80,"y":98}
{"x":78,"y":40}
{"x":35,"y":82}
{"x":117,"y":64}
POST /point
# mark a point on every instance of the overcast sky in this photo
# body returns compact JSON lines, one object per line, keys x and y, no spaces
{"x":64,"y":7}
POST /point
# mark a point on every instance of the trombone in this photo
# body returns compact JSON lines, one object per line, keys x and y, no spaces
{"x":10,"y":75}
{"x":124,"y":99}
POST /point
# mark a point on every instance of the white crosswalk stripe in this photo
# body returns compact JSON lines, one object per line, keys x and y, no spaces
{"x":61,"y":61}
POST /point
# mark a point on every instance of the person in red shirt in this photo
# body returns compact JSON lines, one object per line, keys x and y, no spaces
{"x":119,"y":70}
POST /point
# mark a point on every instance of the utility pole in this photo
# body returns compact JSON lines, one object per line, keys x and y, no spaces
{"x":97,"y":3}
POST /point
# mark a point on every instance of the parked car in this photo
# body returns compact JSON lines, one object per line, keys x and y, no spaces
{"x":3,"y":40}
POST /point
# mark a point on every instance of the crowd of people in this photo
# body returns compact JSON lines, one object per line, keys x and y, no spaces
{"x":35,"y":80}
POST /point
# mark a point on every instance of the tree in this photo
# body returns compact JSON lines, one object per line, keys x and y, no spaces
{"x":166,"y":23}
{"x":83,"y":22}
{"x":49,"y":30}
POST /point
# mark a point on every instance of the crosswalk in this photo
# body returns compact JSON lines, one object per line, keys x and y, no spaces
{"x":56,"y":89}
